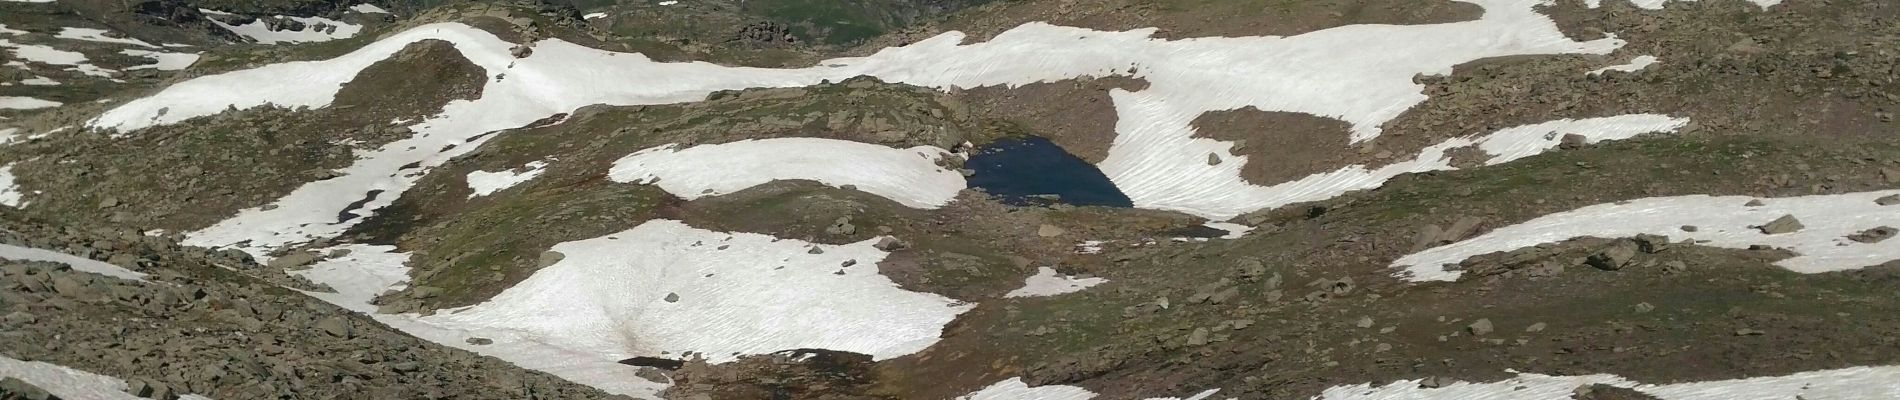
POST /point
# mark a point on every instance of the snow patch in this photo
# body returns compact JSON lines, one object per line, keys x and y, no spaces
{"x":9,"y":189}
{"x":315,"y":29}
{"x":1720,"y":221}
{"x":663,"y":289}
{"x":37,"y":80}
{"x":1047,"y":283}
{"x":1855,"y":383}
{"x":367,"y":8}
{"x":1505,"y":145}
{"x":25,"y":103}
{"x":909,"y":176}
{"x":667,"y":288}
{"x":1635,"y":64}
{"x":5,"y":31}
{"x":358,"y":277}
{"x":597,"y":15}
{"x":163,"y":61}
{"x":68,"y":383}
{"x":52,"y":56}
{"x":669,"y":2}
{"x":82,"y":264}
{"x":98,"y":35}
{"x":1015,"y":389}
{"x":485,"y":183}
{"x":1658,"y":4}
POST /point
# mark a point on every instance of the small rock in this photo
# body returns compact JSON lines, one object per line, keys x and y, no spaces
{"x":672,"y":297}
{"x":1435,"y":382}
{"x":293,"y":260}
{"x":842,"y":226}
{"x":1364,"y":322}
{"x":549,"y":258}
{"x":1785,"y":224}
{"x":1888,"y":200}
{"x":425,"y":292}
{"x":336,"y":326}
{"x":1481,"y":327}
{"x":1875,"y":235}
{"x":1213,"y":159}
{"x":1749,"y":332}
{"x":888,"y":243}
{"x":479,"y":341}
{"x":1644,"y":308}
{"x":11,"y":387}
{"x":1614,"y":257}
{"x":1753,"y":203}
{"x":1198,"y":337}
{"x":1534,"y":328}
{"x":1689,"y":228}
{"x":1047,"y":230}
{"x":1572,"y":141}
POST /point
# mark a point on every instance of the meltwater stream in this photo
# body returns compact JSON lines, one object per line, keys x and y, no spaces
{"x":1023,"y":171}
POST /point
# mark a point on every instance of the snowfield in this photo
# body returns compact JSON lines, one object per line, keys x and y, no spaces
{"x":1153,"y":158}
{"x":1858,"y":383}
{"x":71,"y":384}
{"x":1046,"y":282}
{"x":25,"y":103}
{"x":484,"y":183}
{"x":1720,"y":221}
{"x":911,"y":176}
{"x":82,"y":264}
{"x":664,"y":289}
{"x":258,"y":31}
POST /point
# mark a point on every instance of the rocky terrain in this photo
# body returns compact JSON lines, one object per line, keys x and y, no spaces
{"x":774,"y":199}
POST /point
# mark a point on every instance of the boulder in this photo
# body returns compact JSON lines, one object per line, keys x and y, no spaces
{"x":1785,"y":224}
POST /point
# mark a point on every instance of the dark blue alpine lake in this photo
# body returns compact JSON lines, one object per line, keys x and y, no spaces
{"x":1019,"y":170}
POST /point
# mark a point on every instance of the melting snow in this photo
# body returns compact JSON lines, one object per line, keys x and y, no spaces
{"x":1721,"y":221}
{"x":1858,"y":383}
{"x":98,"y":35}
{"x":78,"y":263}
{"x":485,"y":183}
{"x":37,"y":80}
{"x":909,"y":176}
{"x":52,"y":56}
{"x":1047,"y":283}
{"x":1658,"y":4}
{"x":594,"y":15}
{"x":1015,"y":389}
{"x":259,"y":31}
{"x":1505,"y":145}
{"x":68,"y":383}
{"x":1635,"y":64}
{"x":367,"y":8}
{"x":25,"y":103}
{"x":358,"y":277}
{"x":164,"y":61}
{"x":9,"y":190}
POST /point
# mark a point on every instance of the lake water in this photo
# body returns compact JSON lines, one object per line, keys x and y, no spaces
{"x":1016,"y":170}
